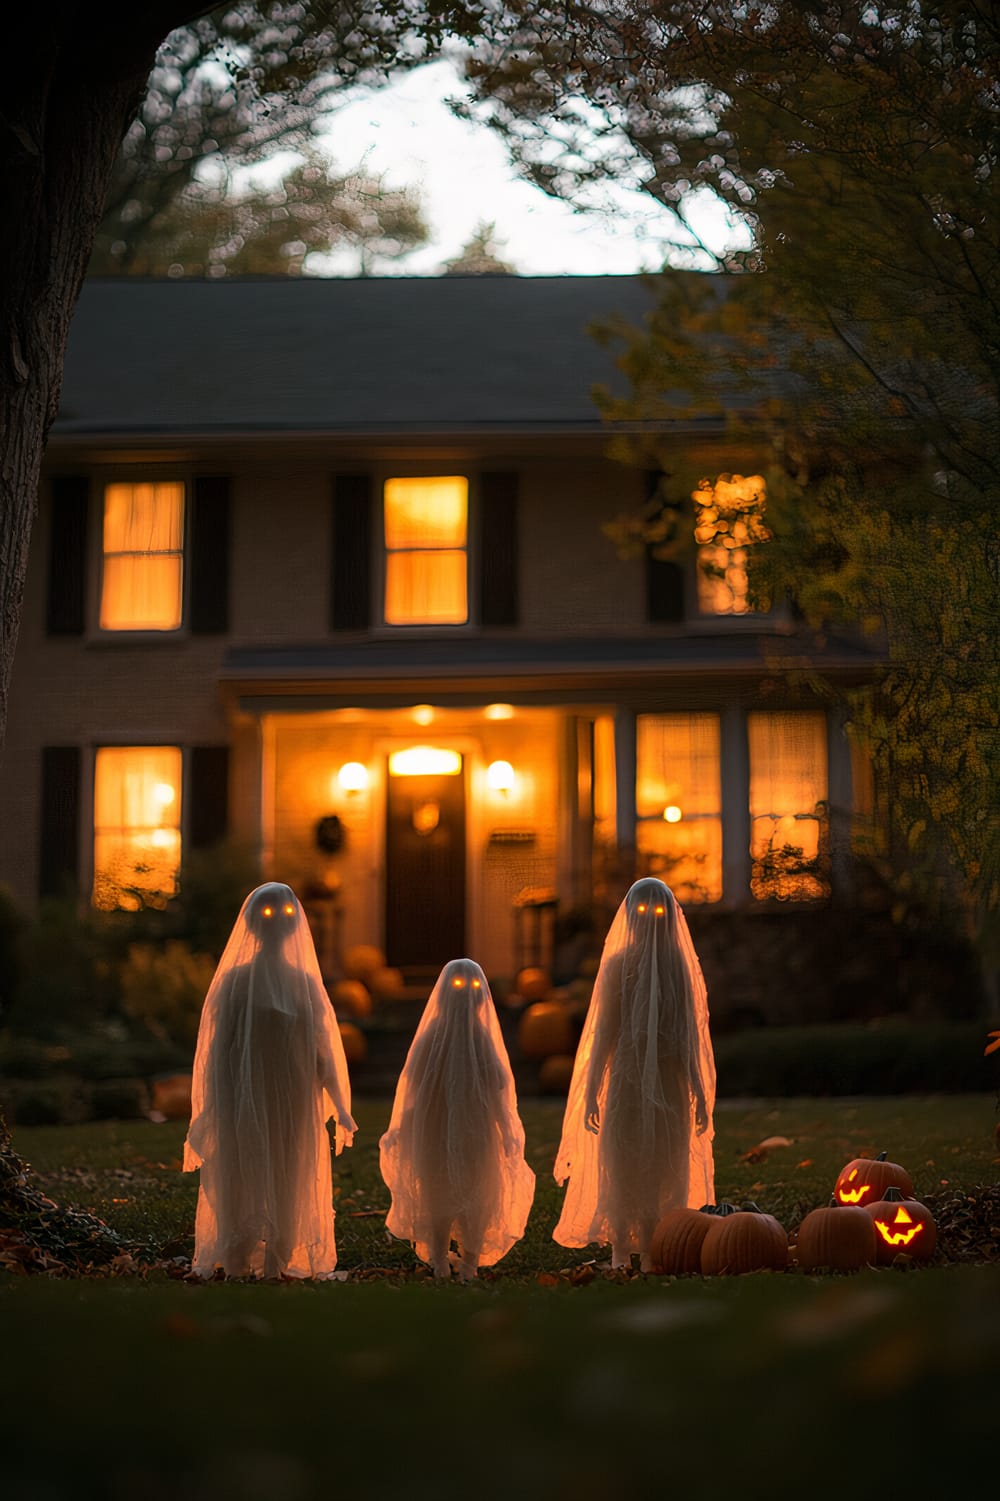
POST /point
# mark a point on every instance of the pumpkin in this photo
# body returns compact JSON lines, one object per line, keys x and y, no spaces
{"x":555,"y":1073}
{"x":865,"y":1179}
{"x":675,"y":1246}
{"x":743,"y":1240}
{"x":171,"y":1097}
{"x":385,"y":983}
{"x":361,"y":960}
{"x":351,"y":998}
{"x":533,"y":984}
{"x":355,"y":1042}
{"x":902,"y":1225}
{"x":839,"y":1236}
{"x":544,"y":1028}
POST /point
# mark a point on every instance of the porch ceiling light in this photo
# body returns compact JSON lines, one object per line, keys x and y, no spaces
{"x":500,"y":776}
{"x":423,"y":713}
{"x":352,"y":777}
{"x":424,"y":761}
{"x":498,"y":711}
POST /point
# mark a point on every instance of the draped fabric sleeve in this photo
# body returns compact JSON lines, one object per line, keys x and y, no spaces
{"x":331,"y":1067}
{"x":201,"y":1136}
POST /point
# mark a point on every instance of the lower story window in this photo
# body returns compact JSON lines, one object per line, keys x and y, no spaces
{"x":679,"y":803}
{"x":788,"y":805}
{"x":137,"y":825}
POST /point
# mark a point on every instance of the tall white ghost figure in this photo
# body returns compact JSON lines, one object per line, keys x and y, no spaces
{"x":269,"y":1071}
{"x":453,"y":1156}
{"x":637,"y":1129}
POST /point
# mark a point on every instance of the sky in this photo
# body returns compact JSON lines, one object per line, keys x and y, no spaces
{"x":465,"y":179}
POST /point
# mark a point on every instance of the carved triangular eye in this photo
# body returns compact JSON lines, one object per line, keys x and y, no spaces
{"x":902,"y":1218}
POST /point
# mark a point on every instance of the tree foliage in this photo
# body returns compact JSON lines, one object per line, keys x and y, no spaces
{"x":226,"y":92}
{"x":855,"y":344}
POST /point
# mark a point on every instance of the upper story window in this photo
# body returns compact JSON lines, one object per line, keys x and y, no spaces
{"x":678,"y":795}
{"x":788,"y":805}
{"x":137,"y":825}
{"x":426,"y":524}
{"x":142,"y":578}
{"x":728,"y":522}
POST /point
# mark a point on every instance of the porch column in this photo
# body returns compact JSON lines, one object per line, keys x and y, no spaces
{"x":735,"y":781}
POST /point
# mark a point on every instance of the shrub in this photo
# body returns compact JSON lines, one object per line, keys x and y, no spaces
{"x":164,"y":987}
{"x":119,"y":1099}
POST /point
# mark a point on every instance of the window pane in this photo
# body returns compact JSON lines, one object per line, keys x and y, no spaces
{"x":425,"y":588}
{"x":142,"y":582}
{"x":141,"y":594}
{"x":728,"y":520}
{"x":788,"y":807}
{"x":426,"y":512}
{"x":679,"y":803}
{"x":137,"y":813}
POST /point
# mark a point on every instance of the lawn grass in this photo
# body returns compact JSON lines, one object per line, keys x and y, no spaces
{"x":388,"y":1384}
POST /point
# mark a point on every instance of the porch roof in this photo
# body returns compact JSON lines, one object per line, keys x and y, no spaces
{"x":472,"y":669}
{"x":283,"y":357}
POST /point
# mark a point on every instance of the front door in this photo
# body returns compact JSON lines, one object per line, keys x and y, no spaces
{"x":425,"y":870}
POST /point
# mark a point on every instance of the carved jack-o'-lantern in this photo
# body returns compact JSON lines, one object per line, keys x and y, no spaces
{"x":864,"y":1180}
{"x":902,"y":1226}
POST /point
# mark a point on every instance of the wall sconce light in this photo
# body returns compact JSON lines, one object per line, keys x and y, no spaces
{"x":500,"y":776}
{"x":672,"y":813}
{"x":352,"y":777}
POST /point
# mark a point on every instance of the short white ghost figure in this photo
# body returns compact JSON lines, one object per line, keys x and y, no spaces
{"x":269,"y":1071}
{"x":453,"y":1156}
{"x":637,"y":1128}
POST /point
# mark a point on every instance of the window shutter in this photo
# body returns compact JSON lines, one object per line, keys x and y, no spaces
{"x":498,"y":561}
{"x":208,"y":556}
{"x":208,"y":795}
{"x":59,"y":852}
{"x":350,"y":558}
{"x":66,"y":602}
{"x":664,"y":577}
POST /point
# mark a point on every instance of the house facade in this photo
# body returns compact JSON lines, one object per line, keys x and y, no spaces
{"x":319,"y":569}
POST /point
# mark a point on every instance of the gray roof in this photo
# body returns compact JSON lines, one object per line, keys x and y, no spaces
{"x":500,"y":354}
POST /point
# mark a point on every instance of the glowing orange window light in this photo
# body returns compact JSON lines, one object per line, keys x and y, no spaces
{"x":728,"y":513}
{"x":426,"y":563}
{"x":679,"y":802}
{"x":137,"y":834}
{"x":143,"y":557}
{"x":788,"y":804}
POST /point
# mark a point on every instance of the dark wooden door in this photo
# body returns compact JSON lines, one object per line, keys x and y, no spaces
{"x":425,"y":871}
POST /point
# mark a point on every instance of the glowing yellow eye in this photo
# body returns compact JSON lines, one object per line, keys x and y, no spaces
{"x":476,"y":985}
{"x":659,"y":911}
{"x":289,"y":909}
{"x":642,"y":906}
{"x":458,"y":983}
{"x":268,"y":911}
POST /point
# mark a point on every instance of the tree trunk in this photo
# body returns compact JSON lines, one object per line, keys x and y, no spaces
{"x":76,"y":77}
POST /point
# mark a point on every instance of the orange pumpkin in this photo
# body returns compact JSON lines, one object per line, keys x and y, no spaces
{"x":743,"y":1240}
{"x":864,"y":1180}
{"x":361,"y":960}
{"x":355,"y":1042}
{"x":385,"y":983}
{"x":533,"y":984}
{"x":902,"y":1225}
{"x":544,"y":1028}
{"x":555,"y":1073}
{"x":171,"y":1096}
{"x":675,"y":1248}
{"x":840,"y":1237}
{"x":351,"y":998}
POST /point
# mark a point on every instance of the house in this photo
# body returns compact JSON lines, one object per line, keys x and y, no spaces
{"x":319,"y":568}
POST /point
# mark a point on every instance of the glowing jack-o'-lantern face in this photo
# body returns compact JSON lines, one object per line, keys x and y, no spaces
{"x":902,"y":1229}
{"x":865,"y":1180}
{"x":902,"y":1225}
